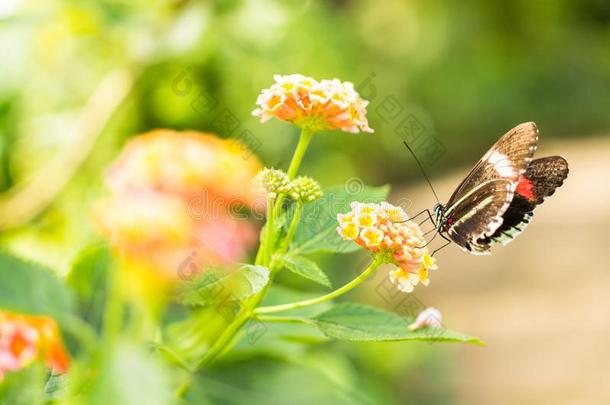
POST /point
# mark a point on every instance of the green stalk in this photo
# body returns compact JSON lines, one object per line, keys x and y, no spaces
{"x":283,"y":319}
{"x":113,"y":313}
{"x":229,"y":333}
{"x":184,"y":387}
{"x":302,"y":146}
{"x":379,"y":260}
{"x":295,"y":163}
{"x":293,"y":228}
{"x":269,"y":231}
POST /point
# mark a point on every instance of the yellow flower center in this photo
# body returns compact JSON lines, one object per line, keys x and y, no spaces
{"x":372,"y":236}
{"x":349,"y":230}
{"x":274,"y":101}
{"x":365,"y":220}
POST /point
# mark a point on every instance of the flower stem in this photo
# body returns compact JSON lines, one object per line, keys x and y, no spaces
{"x":283,"y":319}
{"x":113,"y":314}
{"x":297,"y":157}
{"x":184,"y":387}
{"x":293,"y":227}
{"x":226,"y":337}
{"x":379,"y":259}
{"x":269,"y":231}
{"x":295,"y":163}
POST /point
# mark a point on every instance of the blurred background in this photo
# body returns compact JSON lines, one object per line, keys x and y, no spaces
{"x":78,"y":78}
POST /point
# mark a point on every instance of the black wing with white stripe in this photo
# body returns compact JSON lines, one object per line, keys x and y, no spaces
{"x":478,"y":214}
{"x":507,"y":159}
{"x":540,"y":180}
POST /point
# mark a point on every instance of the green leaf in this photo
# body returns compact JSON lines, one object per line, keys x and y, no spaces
{"x":24,"y":387}
{"x":305,"y":267}
{"x":129,"y":375}
{"x":56,"y":387}
{"x":256,"y":276}
{"x":187,"y":340}
{"x":88,"y":278}
{"x":269,"y":381}
{"x":317,"y":232}
{"x":357,"y":322}
{"x":280,"y":340}
{"x":212,"y":285}
{"x":31,"y":288}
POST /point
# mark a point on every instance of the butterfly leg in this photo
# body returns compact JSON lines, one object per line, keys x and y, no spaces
{"x":431,"y":221}
{"x":417,"y":215}
{"x":429,"y":218}
{"x":448,"y":243}
{"x":431,"y":239}
{"x":431,"y":230}
{"x":427,"y":211}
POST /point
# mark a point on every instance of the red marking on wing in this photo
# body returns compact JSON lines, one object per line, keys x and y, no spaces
{"x":525,"y":188}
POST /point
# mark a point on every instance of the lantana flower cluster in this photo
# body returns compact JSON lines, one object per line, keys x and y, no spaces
{"x":275,"y":182}
{"x":385,"y":229}
{"x":25,"y":339}
{"x":313,"y":105}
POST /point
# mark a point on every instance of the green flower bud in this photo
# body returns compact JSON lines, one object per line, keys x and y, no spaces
{"x":305,"y":189}
{"x":274,"y":181}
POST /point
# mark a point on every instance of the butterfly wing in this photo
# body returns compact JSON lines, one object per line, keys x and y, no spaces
{"x":478,"y":214}
{"x":507,"y":159}
{"x":542,"y":177}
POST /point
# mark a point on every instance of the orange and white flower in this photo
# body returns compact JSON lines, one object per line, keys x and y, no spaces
{"x":385,"y":229}
{"x":314,"y":105}
{"x":25,"y":339}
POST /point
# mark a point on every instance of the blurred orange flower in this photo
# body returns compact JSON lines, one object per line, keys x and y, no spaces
{"x":315,"y":105}
{"x":184,"y":163}
{"x":24,"y":339}
{"x":176,"y":196}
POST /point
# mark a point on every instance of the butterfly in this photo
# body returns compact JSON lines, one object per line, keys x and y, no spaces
{"x":496,"y":200}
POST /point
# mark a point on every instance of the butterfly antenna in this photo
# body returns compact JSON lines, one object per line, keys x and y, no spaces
{"x":422,"y":171}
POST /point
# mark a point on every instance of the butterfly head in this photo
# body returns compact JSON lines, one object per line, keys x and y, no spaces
{"x":439,"y":209}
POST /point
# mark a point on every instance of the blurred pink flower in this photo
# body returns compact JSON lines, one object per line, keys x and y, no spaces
{"x":185,"y":163}
{"x":171,"y":198}
{"x":25,"y":338}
